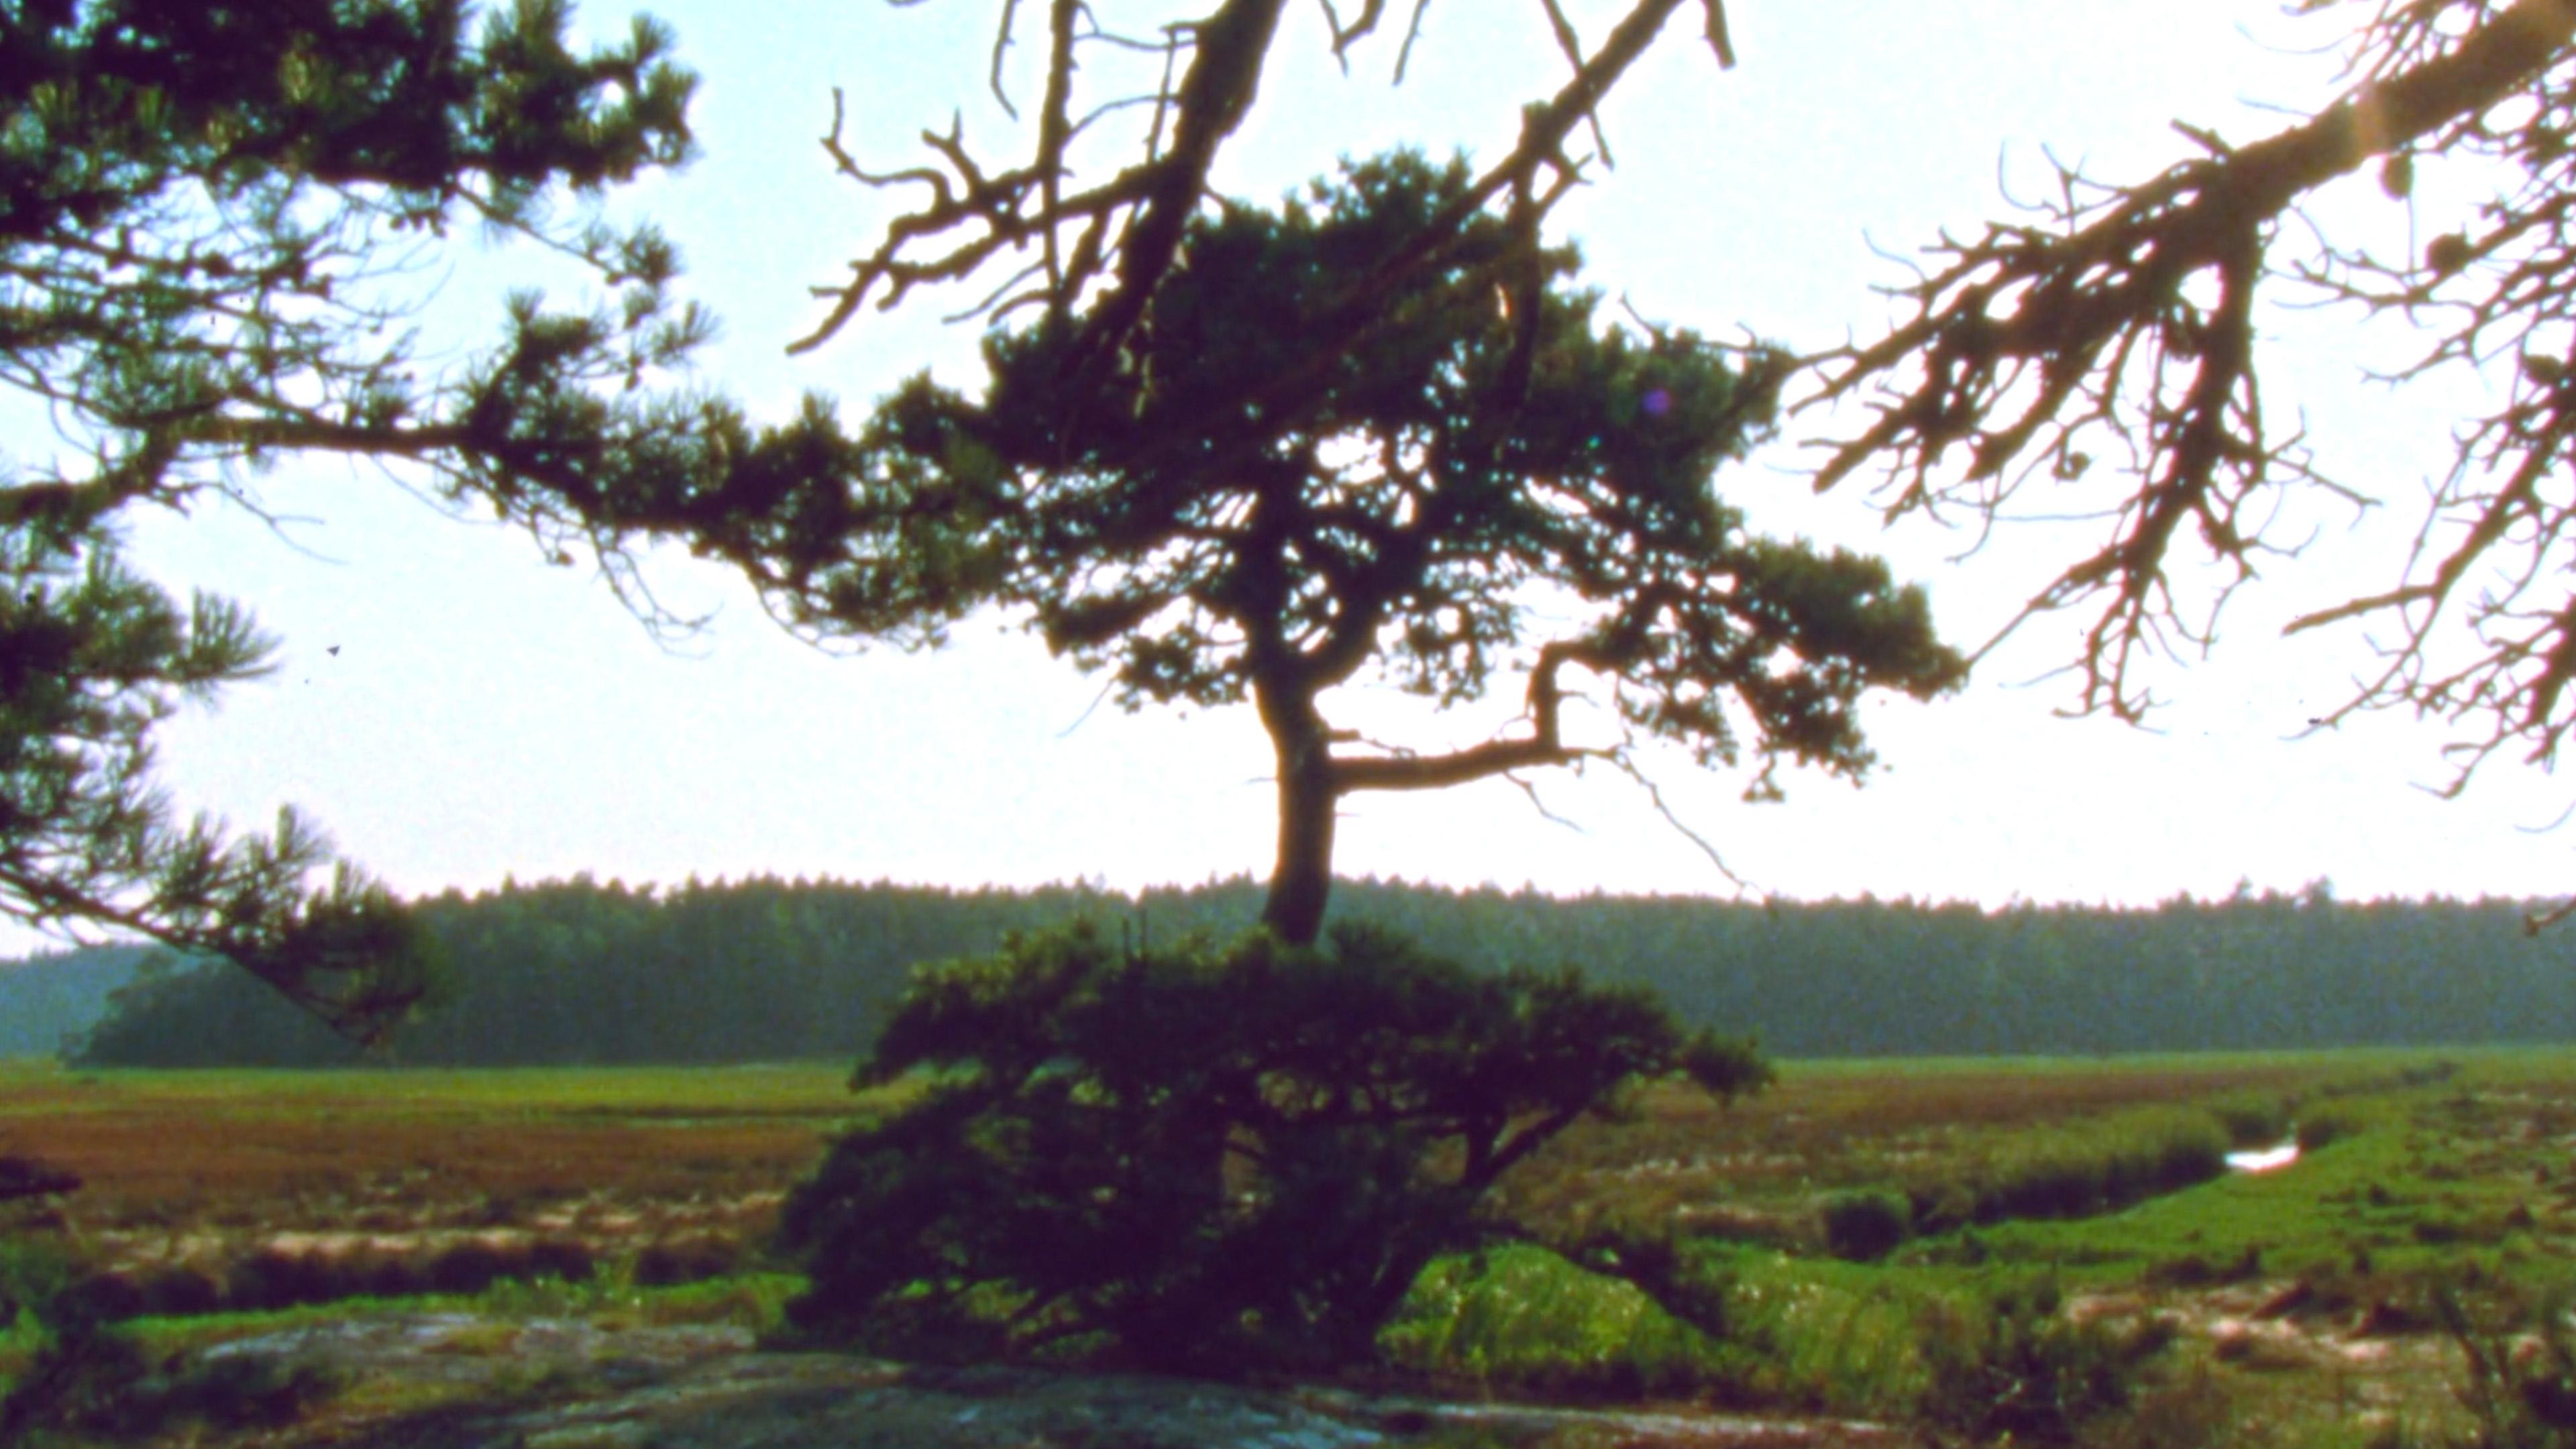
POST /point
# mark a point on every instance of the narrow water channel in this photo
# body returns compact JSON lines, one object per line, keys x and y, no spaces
{"x":2264,"y":1159}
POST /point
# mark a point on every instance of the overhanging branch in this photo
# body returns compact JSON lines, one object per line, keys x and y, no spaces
{"x":1544,"y":745}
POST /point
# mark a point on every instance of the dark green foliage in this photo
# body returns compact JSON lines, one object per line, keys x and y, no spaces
{"x":1202,"y":1158}
{"x":204,"y":263}
{"x":92,"y":658}
{"x":2327,"y":1123}
{"x":1592,"y":472}
{"x":1867,"y":1224}
{"x":81,"y":1369}
{"x":1474,"y":477}
{"x":91,"y":1383}
{"x":764,"y":969}
{"x":199,"y":206}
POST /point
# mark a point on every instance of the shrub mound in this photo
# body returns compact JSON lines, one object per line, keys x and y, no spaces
{"x":1202,"y":1158}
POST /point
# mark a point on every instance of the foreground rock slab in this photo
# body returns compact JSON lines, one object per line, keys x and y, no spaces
{"x":455,"y":1382}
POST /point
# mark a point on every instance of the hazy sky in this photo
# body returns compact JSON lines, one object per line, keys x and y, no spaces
{"x":486,"y":714}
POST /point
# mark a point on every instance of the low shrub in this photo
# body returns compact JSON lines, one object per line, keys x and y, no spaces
{"x":2053,"y":1180}
{"x":1868,"y":1224}
{"x":1201,"y":1158}
{"x":274,"y":1278}
{"x":1938,"y":1207}
{"x":384,"y":1275}
{"x":2163,"y":1151}
{"x":567,"y":1260}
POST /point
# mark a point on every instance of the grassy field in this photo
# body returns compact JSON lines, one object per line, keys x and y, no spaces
{"x":1911,"y":1241}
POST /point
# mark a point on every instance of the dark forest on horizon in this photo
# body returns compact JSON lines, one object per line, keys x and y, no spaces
{"x":583,"y":972}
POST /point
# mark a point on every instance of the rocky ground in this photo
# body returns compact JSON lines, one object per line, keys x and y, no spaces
{"x":450,"y":1381}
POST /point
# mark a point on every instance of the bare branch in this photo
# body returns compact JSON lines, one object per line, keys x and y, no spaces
{"x":1655,"y":795}
{"x":2121,"y":323}
{"x":1543,"y":745}
{"x":1572,"y":46}
{"x":1129,"y":227}
{"x":1001,"y":47}
{"x":1717,"y":40}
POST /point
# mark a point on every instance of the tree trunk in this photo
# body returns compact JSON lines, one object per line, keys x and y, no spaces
{"x":1301,"y":878}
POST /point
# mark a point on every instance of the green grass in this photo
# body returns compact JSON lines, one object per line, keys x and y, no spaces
{"x":1840,"y":1337}
{"x":2388,"y":1191}
{"x":789,"y":1089}
{"x":2353,"y":1062}
{"x":1524,"y":1318}
{"x":2429,"y":1182}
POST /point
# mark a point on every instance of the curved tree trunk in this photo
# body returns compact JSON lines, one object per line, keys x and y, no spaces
{"x":1301,"y":876}
{"x":1301,"y":880}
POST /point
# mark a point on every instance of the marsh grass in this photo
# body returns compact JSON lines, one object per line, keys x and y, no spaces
{"x":1798,"y":1333}
{"x":1839,"y":1337}
{"x":2386,"y":1196}
{"x":2416,"y":1179}
{"x":1955,"y":1134}
{"x":293,"y":1147}
{"x":2419,"y":1178}
{"x":1525,"y":1319}
{"x":2092,"y":1167}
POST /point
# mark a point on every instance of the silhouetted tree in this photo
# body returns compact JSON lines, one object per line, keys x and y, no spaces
{"x":1230,"y":516}
{"x":2102,"y":345}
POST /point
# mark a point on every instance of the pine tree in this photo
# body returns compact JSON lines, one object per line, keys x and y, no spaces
{"x":1238,"y":513}
{"x":206,"y":210}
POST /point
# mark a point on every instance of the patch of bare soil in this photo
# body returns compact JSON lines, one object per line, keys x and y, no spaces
{"x":453,"y":1381}
{"x":2374,"y":1362}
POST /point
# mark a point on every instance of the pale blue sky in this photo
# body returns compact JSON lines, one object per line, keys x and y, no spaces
{"x":488,"y":715}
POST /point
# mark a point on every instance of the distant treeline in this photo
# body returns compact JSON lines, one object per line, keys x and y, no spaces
{"x":765,"y":969}
{"x":52,"y":1000}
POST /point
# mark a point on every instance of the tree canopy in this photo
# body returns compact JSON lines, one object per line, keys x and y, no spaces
{"x":207,"y":212}
{"x":1480,"y":477}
